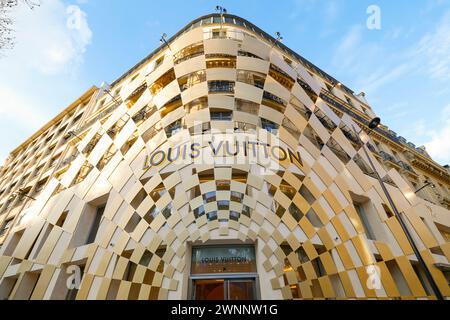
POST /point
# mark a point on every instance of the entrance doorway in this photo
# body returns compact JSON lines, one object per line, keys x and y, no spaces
{"x":224,"y":272}
{"x":224,"y":289}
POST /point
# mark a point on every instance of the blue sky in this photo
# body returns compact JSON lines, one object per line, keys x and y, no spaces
{"x":64,"y":47}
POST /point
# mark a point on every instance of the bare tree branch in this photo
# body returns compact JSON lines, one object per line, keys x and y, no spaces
{"x":7,"y":23}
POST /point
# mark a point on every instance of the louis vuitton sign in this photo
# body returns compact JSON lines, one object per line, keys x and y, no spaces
{"x":223,"y":259}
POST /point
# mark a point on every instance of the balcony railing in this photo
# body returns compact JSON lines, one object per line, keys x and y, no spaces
{"x":271,"y":97}
{"x":351,"y":136}
{"x":68,"y":160}
{"x":387,"y":157}
{"x":98,"y":117}
{"x":221,"y":87}
{"x":372,"y":148}
{"x":405,"y":166}
{"x":326,"y":122}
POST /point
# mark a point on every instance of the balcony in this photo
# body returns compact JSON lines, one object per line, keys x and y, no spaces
{"x":252,"y":78}
{"x":274,"y":102}
{"x":281,"y":77}
{"x":350,"y":135}
{"x":389,"y":158}
{"x":189,"y":52}
{"x":100,"y":116}
{"x":325,"y":121}
{"x":221,"y":86}
{"x":372,"y":148}
{"x":221,"y":116}
{"x":406,"y":167}
{"x":68,"y":160}
{"x":269,"y":126}
{"x":220,"y":61}
{"x":445,"y":201}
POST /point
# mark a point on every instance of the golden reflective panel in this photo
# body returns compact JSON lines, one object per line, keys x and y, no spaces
{"x":112,"y":199}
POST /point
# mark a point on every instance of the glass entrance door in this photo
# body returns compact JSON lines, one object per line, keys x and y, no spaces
{"x":241,"y":290}
{"x":209,"y":289}
{"x":224,"y":289}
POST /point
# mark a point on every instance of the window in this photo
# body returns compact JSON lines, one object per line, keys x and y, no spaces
{"x":191,"y":80}
{"x":364,"y":110}
{"x":189,"y":52}
{"x":61,"y":130}
{"x":281,"y":77}
{"x":223,"y":185}
{"x":349,"y":101}
{"x":274,"y":102}
{"x":220,"y":86}
{"x":209,"y":197}
{"x":252,"y":78}
{"x":269,"y":126}
{"x":388,"y":211}
{"x":6,"y":226}
{"x":248,"y":54}
{"x":7,"y":286}
{"x":49,"y":138}
{"x":171,"y":106}
{"x":221,"y":115}
{"x":339,"y":151}
{"x":247,"y":106}
{"x":136,"y":95}
{"x":40,"y":186}
{"x":77,"y":118}
{"x":130,"y":142}
{"x":62,"y":219}
{"x":197,"y":105}
{"x":295,"y":212}
{"x":54,"y":161}
{"x":396,"y":156}
{"x":162,"y":82}
{"x":200,"y":211}
{"x":218,"y":33}
{"x":212,"y":216}
{"x":100,"y":104}
{"x":365,"y":222}
{"x":398,"y":277}
{"x":134,"y":77}
{"x":423,"y":279}
{"x":444,"y":230}
{"x":95,"y":224}
{"x":174,"y":128}
{"x":158,"y":62}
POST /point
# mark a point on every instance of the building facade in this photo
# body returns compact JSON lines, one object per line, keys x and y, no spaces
{"x":222,"y":166}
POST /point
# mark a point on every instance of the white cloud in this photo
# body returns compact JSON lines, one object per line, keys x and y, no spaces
{"x":21,"y":106}
{"x":434,"y":49}
{"x":354,"y":56}
{"x":430,"y":57}
{"x":373,"y":68}
{"x":330,"y":8}
{"x":439,"y":145}
{"x":51,"y":41}
{"x":388,"y":77}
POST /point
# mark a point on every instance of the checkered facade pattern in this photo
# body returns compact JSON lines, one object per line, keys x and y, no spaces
{"x":126,"y":227}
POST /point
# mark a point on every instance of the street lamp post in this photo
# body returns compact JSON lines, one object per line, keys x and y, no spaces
{"x":372,"y":126}
{"x":337,"y":84}
{"x":164,"y":41}
{"x":108,"y":91}
{"x":427,"y":184}
{"x":222,"y":11}
{"x":278,"y":39}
